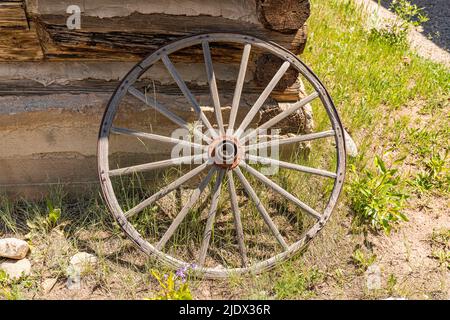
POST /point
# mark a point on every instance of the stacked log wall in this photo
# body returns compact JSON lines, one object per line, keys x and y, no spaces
{"x":55,"y":82}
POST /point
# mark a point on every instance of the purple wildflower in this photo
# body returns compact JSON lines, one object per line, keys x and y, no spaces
{"x":181,"y":273}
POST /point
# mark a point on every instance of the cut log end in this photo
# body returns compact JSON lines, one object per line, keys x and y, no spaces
{"x":285,"y":16}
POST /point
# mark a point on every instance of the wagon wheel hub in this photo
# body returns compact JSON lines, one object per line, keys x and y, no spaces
{"x":225,"y":152}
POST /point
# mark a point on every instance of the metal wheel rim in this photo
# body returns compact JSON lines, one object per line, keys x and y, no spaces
{"x":126,"y":85}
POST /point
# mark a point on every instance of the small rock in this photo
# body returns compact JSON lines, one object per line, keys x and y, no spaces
{"x":48,"y":284}
{"x":82,"y":262}
{"x":13,"y":248}
{"x":15,"y":269}
{"x":73,"y":282}
{"x":352,"y":149}
{"x":83,"y":259}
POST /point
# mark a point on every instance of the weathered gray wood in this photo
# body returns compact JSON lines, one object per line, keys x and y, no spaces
{"x":132,"y":37}
{"x":27,"y":87}
{"x":280,"y":190}
{"x":256,"y":266}
{"x":293,"y":166}
{"x":237,"y":219}
{"x":290,"y":140}
{"x":166,"y":190}
{"x":273,"y":228}
{"x":185,"y":210}
{"x":156,"y":165}
{"x":280,"y":116}
{"x":173,"y":117}
{"x":262,"y":98}
{"x":156,"y":137}
{"x":211,"y":217}
{"x":213,"y":86}
{"x":239,"y":87}
{"x":188,"y":94}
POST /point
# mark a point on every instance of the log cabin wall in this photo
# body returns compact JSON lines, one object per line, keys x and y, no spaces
{"x":56,"y":82}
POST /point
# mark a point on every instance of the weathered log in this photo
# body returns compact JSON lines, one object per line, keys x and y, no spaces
{"x":134,"y":36}
{"x":12,"y":16}
{"x":50,"y":109}
{"x":82,"y":77}
{"x":27,"y":88}
{"x":283,"y":15}
{"x":17,"y":41}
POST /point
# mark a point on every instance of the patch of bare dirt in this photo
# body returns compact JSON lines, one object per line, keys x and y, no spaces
{"x":407,"y":253}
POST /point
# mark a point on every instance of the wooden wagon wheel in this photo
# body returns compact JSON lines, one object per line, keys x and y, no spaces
{"x":232,"y":166}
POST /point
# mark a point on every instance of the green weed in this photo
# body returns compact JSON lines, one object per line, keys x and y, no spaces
{"x":173,"y":287}
{"x":296,"y":284}
{"x":45,"y":223}
{"x":440,"y":241}
{"x":9,"y":289}
{"x":443,"y":256}
{"x":395,"y":33}
{"x":377,"y":198}
{"x":434,"y":175}
{"x":441,"y":237}
{"x":363,"y":261}
{"x":391,"y":284}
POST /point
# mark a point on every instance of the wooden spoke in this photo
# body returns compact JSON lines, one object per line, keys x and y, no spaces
{"x":166,"y":190}
{"x":258,"y":175}
{"x":211,"y":217}
{"x":237,"y":219}
{"x":293,"y":166}
{"x":156,"y":137}
{"x":280,"y":116}
{"x":300,"y":138}
{"x":262,"y":98}
{"x":166,"y":112}
{"x":261,"y":209}
{"x":185,"y":210}
{"x":213,"y":85}
{"x":187,"y":93}
{"x":239,"y":86}
{"x":157,"y":165}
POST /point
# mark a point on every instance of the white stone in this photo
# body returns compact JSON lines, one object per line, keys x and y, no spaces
{"x":15,"y":269}
{"x":352,"y":149}
{"x":73,"y":282}
{"x":12,"y":248}
{"x":82,"y":262}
